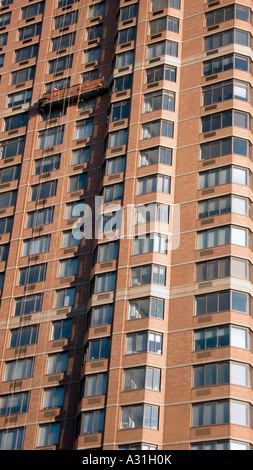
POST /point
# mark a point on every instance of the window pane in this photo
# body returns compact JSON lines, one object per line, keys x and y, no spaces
{"x":239,"y":374}
{"x":239,"y":413}
{"x":239,"y":338}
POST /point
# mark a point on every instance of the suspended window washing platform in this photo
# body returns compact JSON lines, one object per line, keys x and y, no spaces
{"x":79,"y":92}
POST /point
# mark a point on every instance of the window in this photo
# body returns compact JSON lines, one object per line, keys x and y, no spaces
{"x":90,"y":75}
{"x":84,"y":128}
{"x":166,"y":23}
{"x":124,"y":58}
{"x":54,"y":112}
{"x":10,"y":173}
{"x":227,"y":62}
{"x":95,"y":385}
{"x":126,"y":13}
{"x":222,"y":301}
{"x":32,"y":10}
{"x":61,"y":329}
{"x":68,"y":267}
{"x":27,"y":305}
{"x":157,"y":4}
{"x":148,"y":273}
{"x":65,"y":297}
{"x":115,"y":165}
{"x":101,"y":315}
{"x":46,"y":164}
{"x":81,"y":155}
{"x":4,"y":250}
{"x":70,"y":209}
{"x":24,"y":336}
{"x":68,"y":239}
{"x":143,"y":342}
{"x":162,"y":48}
{"x":48,"y":434}
{"x":221,"y":337}
{"x":161,"y":99}
{"x":225,"y":119}
{"x":109,"y":222}
{"x":43,"y":190}
{"x":104,"y":282}
{"x":223,"y":175}
{"x":26,"y":53}
{"x":106,"y":252}
{"x":14,"y":403}
{"x":218,"y":148}
{"x":147,"y":307}
{"x":221,"y":373}
{"x":67,"y":19}
{"x":222,"y":267}
{"x":92,"y":54}
{"x":94,"y":32}
{"x":118,"y":138}
{"x":6,"y":225}
{"x":57,"y":363}
{"x":77,"y":182}
{"x":153,"y":183}
{"x":120,"y":110}
{"x":88,"y":103}
{"x":64,"y":3}
{"x":2,"y":60}
{"x":162,"y":72}
{"x":122,"y":83}
{"x":8,"y":199}
{"x":5,"y":19}
{"x":222,"y":236}
{"x":14,"y":122}
{"x":151,"y":242}
{"x":229,"y":36}
{"x":224,"y":91}
{"x":220,"y":445}
{"x":53,"y":398}
{"x":223,"y":205}
{"x":32,"y":274}
{"x":60,"y":64}
{"x":155,"y":155}
{"x":142,"y":377}
{"x":126,"y":35}
{"x":50,"y":137}
{"x":12,"y":147}
{"x":3,"y":39}
{"x":61,"y":42}
{"x":97,"y":9}
{"x":97,"y":349}
{"x":221,"y":412}
{"x":29,"y":32}
{"x":20,"y":76}
{"x":2,"y":279}
{"x":36,"y":245}
{"x":40,"y":217}
{"x":113,"y":192}
{"x":92,"y":421}
{"x":137,"y":416}
{"x":157,"y":128}
{"x":63,"y":83}
{"x":20,"y":97}
{"x":12,"y":439}
{"x":228,"y":13}
{"x":19,"y":369}
{"x":137,"y":447}
{"x":152,"y":212}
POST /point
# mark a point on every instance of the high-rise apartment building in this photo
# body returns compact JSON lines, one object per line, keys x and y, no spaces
{"x":125,"y":224}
